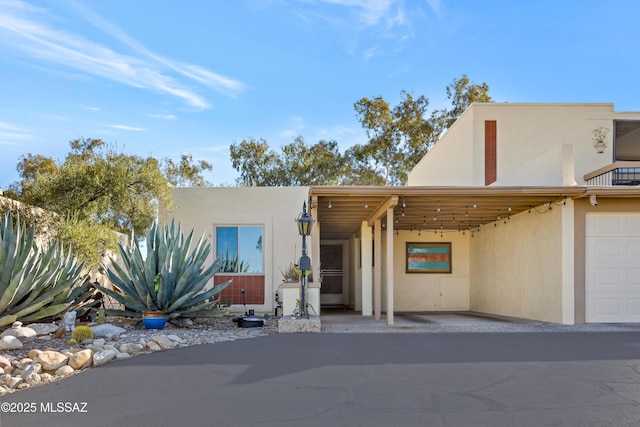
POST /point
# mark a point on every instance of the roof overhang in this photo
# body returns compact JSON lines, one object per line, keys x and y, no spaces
{"x":341,"y":209}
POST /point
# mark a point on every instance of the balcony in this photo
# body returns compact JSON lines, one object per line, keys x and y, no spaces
{"x":619,"y":173}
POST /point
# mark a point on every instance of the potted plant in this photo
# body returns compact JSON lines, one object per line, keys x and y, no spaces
{"x":290,"y":274}
{"x":600,"y":138}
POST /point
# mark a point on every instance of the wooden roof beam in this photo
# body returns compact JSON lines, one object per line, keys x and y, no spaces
{"x":391,"y":202}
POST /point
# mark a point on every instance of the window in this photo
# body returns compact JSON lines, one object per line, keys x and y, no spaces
{"x":240,"y":249}
{"x":627,"y":140}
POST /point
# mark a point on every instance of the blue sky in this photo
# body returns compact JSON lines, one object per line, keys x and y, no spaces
{"x":160,"y":77}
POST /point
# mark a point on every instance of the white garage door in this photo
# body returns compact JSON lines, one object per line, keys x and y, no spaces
{"x":612,"y":288}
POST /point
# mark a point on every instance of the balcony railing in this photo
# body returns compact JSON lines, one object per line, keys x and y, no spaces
{"x":620,"y":173}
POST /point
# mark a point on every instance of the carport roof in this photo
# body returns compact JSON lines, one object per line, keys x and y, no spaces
{"x":340,"y":210}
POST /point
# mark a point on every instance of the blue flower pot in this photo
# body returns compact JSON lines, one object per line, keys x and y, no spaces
{"x":154,"y":319}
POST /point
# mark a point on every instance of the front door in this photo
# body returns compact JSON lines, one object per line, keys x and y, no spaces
{"x":333,"y":287}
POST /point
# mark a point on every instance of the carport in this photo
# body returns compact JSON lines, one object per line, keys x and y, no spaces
{"x":370,"y":221}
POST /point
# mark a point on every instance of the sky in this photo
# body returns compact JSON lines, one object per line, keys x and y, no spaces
{"x":166,"y":77}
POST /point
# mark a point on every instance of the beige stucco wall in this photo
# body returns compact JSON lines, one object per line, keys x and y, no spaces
{"x":453,"y":154}
{"x":537,"y":144}
{"x":275,"y":208}
{"x":518,"y":269}
{"x":422,"y":292}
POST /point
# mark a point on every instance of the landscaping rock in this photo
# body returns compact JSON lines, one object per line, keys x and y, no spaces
{"x":12,"y":382}
{"x":81,"y":359}
{"x":51,"y":360}
{"x":164,"y":342}
{"x":130,"y":348}
{"x":175,"y":338}
{"x":107,"y":330}
{"x":104,"y":356}
{"x":4,"y":362}
{"x":153,"y":346}
{"x":34,"y":353}
{"x":9,"y":342}
{"x":31,"y":374}
{"x":64,"y":371}
{"x":44,"y":328}
{"x":23,"y":334}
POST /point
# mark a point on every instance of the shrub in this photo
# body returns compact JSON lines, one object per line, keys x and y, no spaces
{"x":171,"y":278}
{"x":36,"y":283}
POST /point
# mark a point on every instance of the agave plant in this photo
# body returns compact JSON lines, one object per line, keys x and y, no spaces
{"x":36,"y":283}
{"x":171,"y":278}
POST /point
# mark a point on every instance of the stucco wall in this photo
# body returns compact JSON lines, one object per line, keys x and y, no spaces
{"x":274,"y":208}
{"x":530,"y":140}
{"x":430,"y":292}
{"x":517,"y":268}
{"x":450,"y":160}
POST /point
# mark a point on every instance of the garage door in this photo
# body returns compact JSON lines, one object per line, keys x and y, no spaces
{"x":612,"y":288}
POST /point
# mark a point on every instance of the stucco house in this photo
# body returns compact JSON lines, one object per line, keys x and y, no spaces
{"x":513,"y":212}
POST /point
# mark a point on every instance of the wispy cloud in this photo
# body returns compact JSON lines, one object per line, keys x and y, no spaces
{"x":437,"y":7}
{"x":23,"y":27}
{"x":11,"y":134}
{"x":370,"y":12}
{"x":125,"y":127}
{"x":162,"y":116}
{"x":386,"y":23}
{"x":294,"y":129}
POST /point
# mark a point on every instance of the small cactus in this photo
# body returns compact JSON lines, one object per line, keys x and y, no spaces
{"x":101,"y":317}
{"x":82,"y":333}
{"x":73,"y":342}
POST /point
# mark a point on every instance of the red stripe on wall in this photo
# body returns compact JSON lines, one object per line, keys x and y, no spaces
{"x":490,"y":152}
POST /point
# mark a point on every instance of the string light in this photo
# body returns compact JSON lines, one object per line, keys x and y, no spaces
{"x":330,"y":205}
{"x":404,"y":204}
{"x":366,"y":204}
{"x":438,"y":206}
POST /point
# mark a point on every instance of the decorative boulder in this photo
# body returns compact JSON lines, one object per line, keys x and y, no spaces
{"x":9,"y":342}
{"x":63,"y":371}
{"x":44,"y":328}
{"x":22,"y":333}
{"x":107,"y":330}
{"x":102,"y":357}
{"x":81,"y":359}
{"x":51,"y":360}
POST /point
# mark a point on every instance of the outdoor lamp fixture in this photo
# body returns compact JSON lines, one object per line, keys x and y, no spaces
{"x":304,"y":221}
{"x":305,"y":224}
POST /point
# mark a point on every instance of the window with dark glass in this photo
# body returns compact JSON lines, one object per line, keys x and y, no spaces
{"x":627,"y":140}
{"x":240,"y":249}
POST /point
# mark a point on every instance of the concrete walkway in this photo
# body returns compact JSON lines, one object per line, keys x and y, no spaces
{"x":347,"y":321}
{"x":355,"y":379}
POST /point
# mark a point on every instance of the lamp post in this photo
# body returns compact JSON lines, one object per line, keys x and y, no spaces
{"x":304,"y":229}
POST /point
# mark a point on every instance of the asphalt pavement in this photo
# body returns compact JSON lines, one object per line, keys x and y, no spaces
{"x":363,"y":379}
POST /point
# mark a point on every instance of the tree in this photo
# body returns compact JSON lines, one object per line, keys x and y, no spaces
{"x":398,"y":137}
{"x":461,"y":93}
{"x":187,"y":172}
{"x":99,"y":183}
{"x":298,"y":163}
{"x":257,"y":164}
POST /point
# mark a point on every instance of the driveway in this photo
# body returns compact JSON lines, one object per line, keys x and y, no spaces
{"x":364,"y":379}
